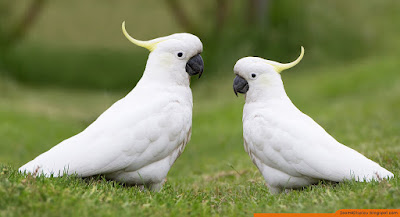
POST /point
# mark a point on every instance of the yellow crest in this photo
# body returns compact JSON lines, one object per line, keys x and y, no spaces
{"x":149,"y":45}
{"x":279,"y":67}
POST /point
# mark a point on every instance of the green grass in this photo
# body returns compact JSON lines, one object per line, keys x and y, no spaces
{"x":357,"y":103}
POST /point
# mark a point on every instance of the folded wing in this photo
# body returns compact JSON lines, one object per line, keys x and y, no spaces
{"x":298,"y":146}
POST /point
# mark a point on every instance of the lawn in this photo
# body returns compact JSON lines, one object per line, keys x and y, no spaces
{"x":75,"y":63}
{"x":357,"y":102}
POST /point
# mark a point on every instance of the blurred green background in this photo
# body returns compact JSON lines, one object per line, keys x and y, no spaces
{"x":80,"y":44}
{"x":62,"y":63}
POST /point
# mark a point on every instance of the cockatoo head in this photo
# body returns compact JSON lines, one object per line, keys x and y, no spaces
{"x":177,"y":54}
{"x":257,"y":73}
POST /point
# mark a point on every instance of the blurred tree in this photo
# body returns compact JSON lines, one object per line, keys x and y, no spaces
{"x":256,"y":14}
{"x":331,"y":31}
{"x":12,"y":32}
{"x":181,"y":16}
{"x":245,"y":22}
{"x":221,"y":13}
{"x":278,"y":28}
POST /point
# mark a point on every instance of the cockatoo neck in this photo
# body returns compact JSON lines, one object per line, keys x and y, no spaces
{"x":163,"y":71}
{"x":266,"y":89}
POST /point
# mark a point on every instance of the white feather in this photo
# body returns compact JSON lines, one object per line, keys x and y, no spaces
{"x":137,"y":139}
{"x":289,"y":148}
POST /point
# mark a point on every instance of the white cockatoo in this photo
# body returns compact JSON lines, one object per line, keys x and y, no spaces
{"x":139,"y":137}
{"x":288,"y":147}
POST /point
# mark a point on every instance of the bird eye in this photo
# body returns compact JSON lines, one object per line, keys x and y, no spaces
{"x":253,"y":75}
{"x":180,"y":54}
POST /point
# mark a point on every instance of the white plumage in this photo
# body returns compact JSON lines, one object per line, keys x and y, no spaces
{"x":288,"y":147}
{"x":137,"y":139}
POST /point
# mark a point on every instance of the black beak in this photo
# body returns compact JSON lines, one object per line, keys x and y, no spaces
{"x":240,"y":85}
{"x":195,"y":66}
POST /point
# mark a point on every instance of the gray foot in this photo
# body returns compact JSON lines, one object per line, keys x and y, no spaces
{"x":157,"y":186}
{"x":274,"y":190}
